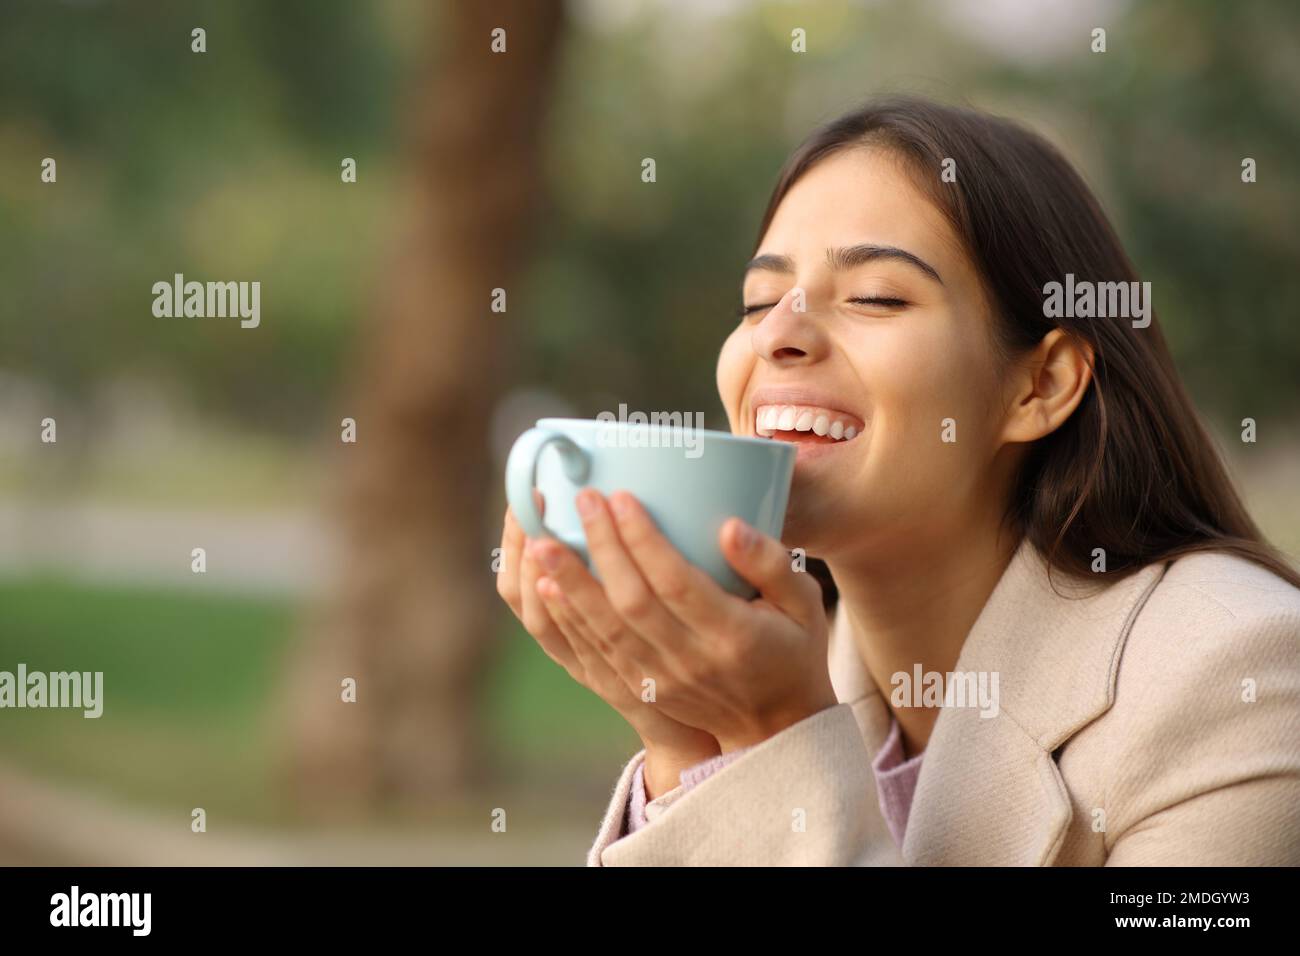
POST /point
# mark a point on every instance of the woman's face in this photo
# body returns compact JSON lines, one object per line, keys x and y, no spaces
{"x":891,"y":341}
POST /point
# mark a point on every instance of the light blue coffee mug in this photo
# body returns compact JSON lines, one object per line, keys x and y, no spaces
{"x":690,"y":480}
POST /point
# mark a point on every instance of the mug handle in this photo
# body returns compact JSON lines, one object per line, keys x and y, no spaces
{"x":521,"y":474}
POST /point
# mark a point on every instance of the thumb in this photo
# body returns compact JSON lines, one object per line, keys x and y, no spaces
{"x":765,"y":563}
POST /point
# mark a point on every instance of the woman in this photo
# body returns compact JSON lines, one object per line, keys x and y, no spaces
{"x":1009,"y":497}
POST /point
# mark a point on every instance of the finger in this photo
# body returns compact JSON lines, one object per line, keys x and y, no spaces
{"x":688,"y":592}
{"x":765,"y":563}
{"x":537,"y":620}
{"x":587,"y":598}
{"x":600,"y":673}
{"x":628,"y":593}
{"x":570,"y":623}
{"x":625,"y":654}
{"x":512,"y":547}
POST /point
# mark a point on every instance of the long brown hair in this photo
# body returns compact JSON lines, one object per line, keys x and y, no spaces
{"x":1133,"y":471}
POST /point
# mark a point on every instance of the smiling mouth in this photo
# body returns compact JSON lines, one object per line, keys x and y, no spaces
{"x":809,"y":424}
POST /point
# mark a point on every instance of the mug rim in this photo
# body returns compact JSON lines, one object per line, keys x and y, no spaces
{"x":707,"y":433}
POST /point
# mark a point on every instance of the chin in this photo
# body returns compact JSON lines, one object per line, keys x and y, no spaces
{"x":808,"y":531}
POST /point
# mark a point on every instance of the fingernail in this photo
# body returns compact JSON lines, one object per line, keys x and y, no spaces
{"x":554,"y":592}
{"x":587,"y":504}
{"x":622,"y":507}
{"x":548,"y":555}
{"x":745,"y":536}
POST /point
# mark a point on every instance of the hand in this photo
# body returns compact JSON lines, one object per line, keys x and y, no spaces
{"x":670,"y":745}
{"x":740,"y":670}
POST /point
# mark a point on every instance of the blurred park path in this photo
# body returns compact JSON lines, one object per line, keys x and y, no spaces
{"x":44,"y":824}
{"x":278,"y":551}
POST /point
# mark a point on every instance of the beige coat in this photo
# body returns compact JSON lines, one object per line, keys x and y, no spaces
{"x":1156,"y":721}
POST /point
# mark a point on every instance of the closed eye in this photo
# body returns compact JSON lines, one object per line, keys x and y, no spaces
{"x":883,"y":301}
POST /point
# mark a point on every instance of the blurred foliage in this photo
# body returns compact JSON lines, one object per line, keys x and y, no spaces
{"x":226,"y":166}
{"x":222,"y":166}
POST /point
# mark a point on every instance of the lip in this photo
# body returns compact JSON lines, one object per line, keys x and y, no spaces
{"x":806,"y":451}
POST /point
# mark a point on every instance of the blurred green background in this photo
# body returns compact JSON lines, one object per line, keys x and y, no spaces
{"x":225,"y":165}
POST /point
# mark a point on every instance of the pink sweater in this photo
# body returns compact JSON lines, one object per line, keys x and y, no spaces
{"x":895,"y":783}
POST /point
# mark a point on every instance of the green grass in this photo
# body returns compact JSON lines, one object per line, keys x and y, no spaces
{"x":189,"y":683}
{"x":187,"y":677}
{"x":187,"y":655}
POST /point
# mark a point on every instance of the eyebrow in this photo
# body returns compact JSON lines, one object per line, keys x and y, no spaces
{"x":844,"y":258}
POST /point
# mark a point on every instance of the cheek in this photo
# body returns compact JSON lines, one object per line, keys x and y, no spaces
{"x":931,"y":390}
{"x":735,"y":364}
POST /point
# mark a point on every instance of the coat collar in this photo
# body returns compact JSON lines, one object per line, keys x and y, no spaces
{"x":990,"y":792}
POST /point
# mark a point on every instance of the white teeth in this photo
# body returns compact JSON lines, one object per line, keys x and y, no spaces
{"x":769,"y":419}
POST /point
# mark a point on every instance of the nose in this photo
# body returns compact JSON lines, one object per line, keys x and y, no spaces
{"x":787,"y":335}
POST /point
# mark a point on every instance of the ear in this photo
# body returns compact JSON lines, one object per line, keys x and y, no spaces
{"x":1047,"y":385}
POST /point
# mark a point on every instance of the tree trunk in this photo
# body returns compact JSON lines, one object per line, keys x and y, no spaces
{"x":411,"y":615}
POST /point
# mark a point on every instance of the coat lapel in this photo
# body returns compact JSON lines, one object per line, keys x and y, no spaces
{"x":854,"y":686}
{"x":989,"y":791}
